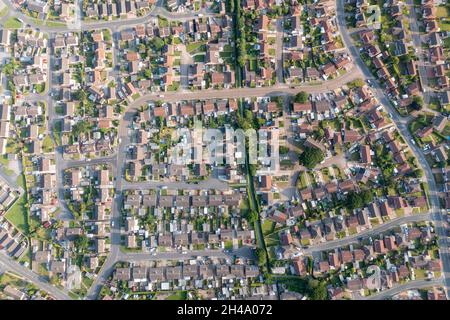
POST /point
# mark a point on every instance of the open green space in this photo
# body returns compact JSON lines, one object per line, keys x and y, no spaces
{"x":12,"y":23}
{"x":179,"y":295}
{"x":17,"y":215}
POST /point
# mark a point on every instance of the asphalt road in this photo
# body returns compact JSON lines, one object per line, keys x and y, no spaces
{"x":329,"y":245}
{"x":279,"y":50}
{"x":157,"y":10}
{"x":6,"y":263}
{"x":417,"y":41}
{"x":276,"y":90}
{"x":402,"y":127}
{"x":244,"y":252}
{"x":211,"y":183}
{"x":280,"y":90}
{"x":415,"y":284}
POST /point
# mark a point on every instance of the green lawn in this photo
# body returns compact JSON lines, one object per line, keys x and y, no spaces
{"x":229,"y":245}
{"x":179,"y":295}
{"x":47,"y":144}
{"x":305,"y":242}
{"x":374,"y":221}
{"x":267,"y":227}
{"x":420,"y":274}
{"x":48,"y":23}
{"x":252,"y":65}
{"x":11,"y":279}
{"x":444,"y":25}
{"x":17,"y":215}
{"x":194,"y":47}
{"x":3,"y":12}
{"x":442,"y":12}
{"x":57,"y":132}
{"x":13,"y":23}
{"x":4,"y":160}
{"x":199,"y":58}
{"x":301,"y":181}
{"x":272,"y":240}
{"x":447,"y":43}
{"x":244,"y":208}
{"x":40,"y":88}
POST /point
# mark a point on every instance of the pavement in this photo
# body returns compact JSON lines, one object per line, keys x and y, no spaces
{"x":244,"y":252}
{"x":402,"y":127}
{"x":279,"y":50}
{"x":329,"y":245}
{"x":421,"y":66}
{"x":211,"y":183}
{"x":8,"y":264}
{"x":118,"y":160}
{"x":414,"y":284}
{"x":53,"y":117}
{"x":276,"y":90}
{"x":157,"y":11}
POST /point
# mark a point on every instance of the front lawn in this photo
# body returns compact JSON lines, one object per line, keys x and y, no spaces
{"x":195,"y":47}
{"x":17,"y":215}
{"x":267,"y":227}
{"x":179,"y":295}
{"x":13,"y":23}
{"x":47,"y":144}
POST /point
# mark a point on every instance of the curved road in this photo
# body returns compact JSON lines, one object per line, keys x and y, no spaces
{"x":157,"y":10}
{"x":414,"y":284}
{"x":278,"y":90}
{"x":402,"y":126}
{"x":6,"y":263}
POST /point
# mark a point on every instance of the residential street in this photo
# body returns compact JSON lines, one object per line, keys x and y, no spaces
{"x":6,"y":263}
{"x":422,"y":65}
{"x":415,"y":284}
{"x":279,"y":50}
{"x":402,"y":126}
{"x":330,"y":245}
{"x":158,"y":10}
{"x":119,"y":158}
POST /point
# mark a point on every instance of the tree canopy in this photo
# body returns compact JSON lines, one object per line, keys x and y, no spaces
{"x":417,"y":103}
{"x":358,"y":83}
{"x":301,"y":97}
{"x":317,"y":290}
{"x":311,"y":157}
{"x":358,"y":199}
{"x":157,"y":43}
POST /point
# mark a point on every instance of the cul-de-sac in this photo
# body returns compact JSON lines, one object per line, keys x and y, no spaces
{"x":224,"y":150}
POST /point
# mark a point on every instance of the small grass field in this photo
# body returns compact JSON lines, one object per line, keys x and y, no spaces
{"x":13,"y":23}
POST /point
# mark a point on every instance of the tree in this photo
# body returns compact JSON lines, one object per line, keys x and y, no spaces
{"x":417,"y":103}
{"x":317,"y":290}
{"x":311,"y":157}
{"x":283,"y":150}
{"x":301,"y":97}
{"x":358,"y":83}
{"x":319,"y":133}
{"x":262,"y":256}
{"x":158,"y":43}
{"x":395,"y":61}
{"x":82,"y":243}
{"x":358,"y":200}
{"x":418,"y":173}
{"x":81,"y":127}
{"x":252,"y":168}
{"x":147,"y":73}
{"x":251,"y":216}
